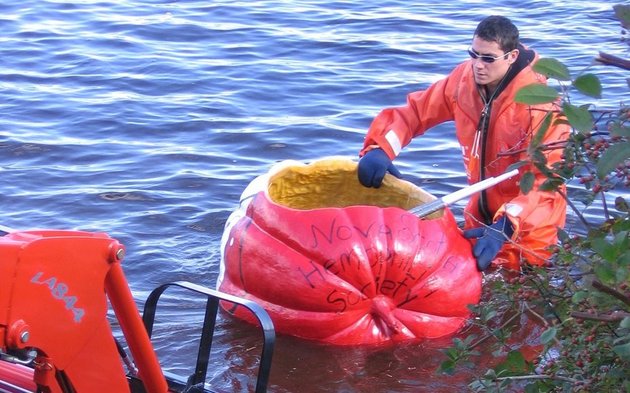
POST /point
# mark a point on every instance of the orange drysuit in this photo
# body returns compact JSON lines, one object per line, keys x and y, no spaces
{"x":490,"y":143}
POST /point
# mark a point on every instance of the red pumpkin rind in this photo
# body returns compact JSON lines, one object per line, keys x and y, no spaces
{"x":351,"y":275}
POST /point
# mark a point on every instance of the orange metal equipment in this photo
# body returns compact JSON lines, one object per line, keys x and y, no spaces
{"x":54,"y":332}
{"x":52,"y":300}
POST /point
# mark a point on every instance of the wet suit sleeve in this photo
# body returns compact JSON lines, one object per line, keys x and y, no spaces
{"x":393,"y":128}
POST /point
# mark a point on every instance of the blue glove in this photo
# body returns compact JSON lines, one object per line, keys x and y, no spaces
{"x":373,"y":166}
{"x":489,"y":241}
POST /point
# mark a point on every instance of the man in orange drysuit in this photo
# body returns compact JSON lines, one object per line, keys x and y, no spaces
{"x":494,"y":132}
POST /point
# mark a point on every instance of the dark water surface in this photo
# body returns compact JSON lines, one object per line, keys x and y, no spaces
{"x":147,"y":119}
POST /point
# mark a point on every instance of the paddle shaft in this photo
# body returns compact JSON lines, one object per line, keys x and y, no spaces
{"x":433,"y":206}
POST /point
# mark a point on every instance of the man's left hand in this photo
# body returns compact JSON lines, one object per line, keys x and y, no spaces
{"x":490,"y":239}
{"x":373,"y":166}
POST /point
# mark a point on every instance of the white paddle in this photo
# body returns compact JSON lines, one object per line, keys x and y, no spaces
{"x":433,"y":206}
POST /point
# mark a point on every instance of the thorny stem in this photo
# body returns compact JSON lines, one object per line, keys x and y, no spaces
{"x":574,"y":208}
{"x":611,"y":60}
{"x":549,"y":146}
{"x":484,"y":338}
{"x":546,"y":296}
{"x":605,"y":206}
{"x":538,"y":376}
{"x":544,"y":321}
{"x":579,"y":276}
{"x":534,"y":313}
{"x":610,"y":291}
{"x":613,"y":317}
{"x":555,"y":145}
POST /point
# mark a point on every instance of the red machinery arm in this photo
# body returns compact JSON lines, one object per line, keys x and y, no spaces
{"x":53,"y":298}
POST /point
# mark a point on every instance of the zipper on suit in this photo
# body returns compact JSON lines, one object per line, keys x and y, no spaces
{"x":484,"y":122}
{"x":482,"y":127}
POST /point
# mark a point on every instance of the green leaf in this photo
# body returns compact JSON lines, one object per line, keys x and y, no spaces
{"x":579,"y":296}
{"x":622,"y":274}
{"x":489,"y":315}
{"x":540,"y":161}
{"x":527,"y":182}
{"x":623,"y":351}
{"x":532,"y":388}
{"x":605,"y":273}
{"x":536,"y":93}
{"x":613,"y":156}
{"x":552,"y":68}
{"x":625,"y":323}
{"x":490,"y":374}
{"x":516,"y":165}
{"x":539,"y":387}
{"x":542,"y":130}
{"x":563,"y":236}
{"x":604,"y":249}
{"x":514,"y":364}
{"x":459,"y":344}
{"x":579,"y":117}
{"x":451,"y":353}
{"x":621,"y":204}
{"x":588,"y":84}
{"x":583,"y":196}
{"x":551,"y":184}
{"x":621,"y":226}
{"x":621,"y":241}
{"x":622,"y":12}
{"x":548,"y":335}
{"x":447,"y":367}
{"x":620,"y":130}
{"x":538,"y":157}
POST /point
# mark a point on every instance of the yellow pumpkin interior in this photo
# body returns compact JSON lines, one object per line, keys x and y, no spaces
{"x":333,"y":182}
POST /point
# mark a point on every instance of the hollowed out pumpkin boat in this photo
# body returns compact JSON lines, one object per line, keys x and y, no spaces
{"x":333,"y":261}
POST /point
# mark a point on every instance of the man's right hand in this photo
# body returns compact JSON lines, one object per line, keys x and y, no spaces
{"x":373,"y":166}
{"x":489,"y":241}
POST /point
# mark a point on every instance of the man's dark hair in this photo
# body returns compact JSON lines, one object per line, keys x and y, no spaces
{"x":500,"y":30}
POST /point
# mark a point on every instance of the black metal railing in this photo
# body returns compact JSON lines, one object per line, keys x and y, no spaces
{"x":207,"y":332}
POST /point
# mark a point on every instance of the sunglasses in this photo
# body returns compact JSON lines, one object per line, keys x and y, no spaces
{"x":485,"y":58}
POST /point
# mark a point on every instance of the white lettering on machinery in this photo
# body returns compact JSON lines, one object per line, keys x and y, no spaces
{"x":394,"y":142}
{"x":59,"y":291}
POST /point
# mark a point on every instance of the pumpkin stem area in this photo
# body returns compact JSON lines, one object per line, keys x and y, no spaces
{"x":382,"y":312}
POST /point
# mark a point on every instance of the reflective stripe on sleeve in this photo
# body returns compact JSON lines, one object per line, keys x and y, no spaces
{"x":513,"y":209}
{"x":394,"y":142}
